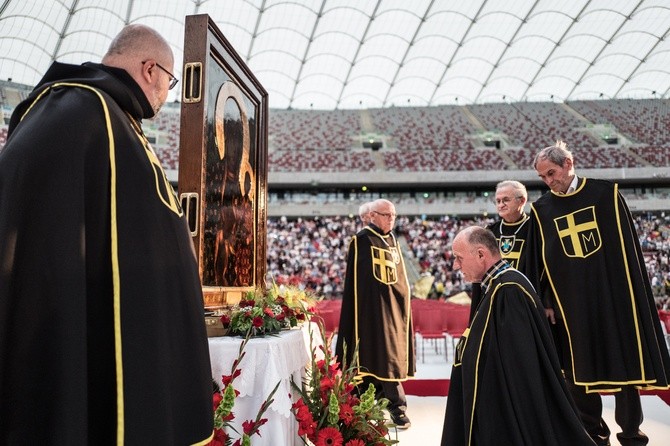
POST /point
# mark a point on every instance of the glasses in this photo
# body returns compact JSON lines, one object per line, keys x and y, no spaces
{"x":385,"y":214}
{"x":505,"y":200}
{"x":173,"y":78}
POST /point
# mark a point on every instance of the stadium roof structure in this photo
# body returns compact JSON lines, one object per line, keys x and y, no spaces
{"x":349,"y":54}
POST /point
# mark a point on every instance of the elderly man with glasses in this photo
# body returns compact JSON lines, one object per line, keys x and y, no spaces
{"x":512,"y":228}
{"x":376,"y":313}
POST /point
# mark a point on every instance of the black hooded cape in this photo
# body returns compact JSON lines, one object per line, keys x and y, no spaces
{"x":102,"y":336}
{"x":506,"y":385}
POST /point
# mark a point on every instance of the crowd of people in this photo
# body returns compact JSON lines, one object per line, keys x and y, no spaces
{"x":310,"y":252}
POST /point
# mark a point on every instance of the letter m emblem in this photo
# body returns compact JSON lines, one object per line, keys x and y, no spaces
{"x":579,"y":233}
{"x":383,"y":266}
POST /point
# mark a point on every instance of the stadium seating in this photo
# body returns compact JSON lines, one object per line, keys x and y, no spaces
{"x":321,"y":160}
{"x":431,"y":160}
{"x":534,"y":125}
{"x":313,"y":130}
{"x":644,"y":121}
{"x":655,"y":155}
{"x":435,"y":128}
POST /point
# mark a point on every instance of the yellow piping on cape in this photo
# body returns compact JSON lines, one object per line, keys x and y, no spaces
{"x":630,"y":284}
{"x":116,"y":278}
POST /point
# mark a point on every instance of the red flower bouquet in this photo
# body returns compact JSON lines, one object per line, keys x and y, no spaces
{"x":261,"y":313}
{"x":328,"y":411}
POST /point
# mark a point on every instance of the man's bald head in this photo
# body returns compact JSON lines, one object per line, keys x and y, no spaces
{"x":144,"y":54}
{"x":136,"y":43}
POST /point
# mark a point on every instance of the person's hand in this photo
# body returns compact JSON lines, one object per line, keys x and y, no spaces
{"x":549,"y":312}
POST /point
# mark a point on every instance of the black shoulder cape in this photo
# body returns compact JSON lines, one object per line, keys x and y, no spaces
{"x":102,"y":336}
{"x":506,"y":384}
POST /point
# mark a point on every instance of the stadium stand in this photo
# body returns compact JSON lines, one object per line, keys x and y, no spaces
{"x":163,"y":133}
{"x":434,"y":139}
{"x":313,"y":130}
{"x":443,"y":159}
{"x":534,"y":124}
{"x":321,"y":160}
{"x":655,"y":155}
{"x":435,"y":128}
{"x":645,"y":121}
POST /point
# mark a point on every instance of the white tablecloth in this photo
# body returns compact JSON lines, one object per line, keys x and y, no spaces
{"x":268,"y":360}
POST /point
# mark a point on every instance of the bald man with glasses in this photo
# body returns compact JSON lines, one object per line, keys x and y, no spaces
{"x":100,"y":295}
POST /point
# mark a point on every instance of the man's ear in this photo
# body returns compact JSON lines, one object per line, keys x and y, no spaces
{"x":148,"y":70}
{"x":568,"y":163}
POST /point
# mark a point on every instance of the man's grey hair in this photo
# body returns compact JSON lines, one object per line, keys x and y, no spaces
{"x":519,"y":188}
{"x":364,"y":209}
{"x":556,"y":154}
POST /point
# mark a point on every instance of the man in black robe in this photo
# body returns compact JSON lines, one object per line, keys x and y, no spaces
{"x":376,"y":312}
{"x":102,"y":336}
{"x":509,"y":388}
{"x":585,"y":256}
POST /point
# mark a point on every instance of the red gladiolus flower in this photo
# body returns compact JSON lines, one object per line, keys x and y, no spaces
{"x":257,"y":322}
{"x":303,"y":414}
{"x":355,"y":442}
{"x":298,"y":404}
{"x":268,"y":311}
{"x":227,"y":379}
{"x":329,"y":436}
{"x":248,"y":426}
{"x":326,"y":384}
